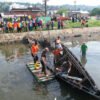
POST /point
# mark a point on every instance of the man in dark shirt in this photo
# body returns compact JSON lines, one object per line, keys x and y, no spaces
{"x":44,"y":61}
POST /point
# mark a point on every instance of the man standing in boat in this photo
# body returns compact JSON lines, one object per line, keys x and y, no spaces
{"x":84,"y":49}
{"x":58,"y":40}
{"x":58,"y":45}
{"x":58,"y":51}
{"x":34,"y":51}
{"x":44,"y":60}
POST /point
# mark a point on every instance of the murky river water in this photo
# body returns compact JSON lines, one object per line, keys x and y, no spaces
{"x":17,"y":83}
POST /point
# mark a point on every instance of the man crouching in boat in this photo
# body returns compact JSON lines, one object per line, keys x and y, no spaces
{"x":34,"y":51}
{"x":44,"y":61}
{"x":65,"y":67}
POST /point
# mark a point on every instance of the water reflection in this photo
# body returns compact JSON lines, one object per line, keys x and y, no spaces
{"x":13,"y":51}
{"x":83,"y":60}
{"x":40,"y":89}
{"x":7,"y":51}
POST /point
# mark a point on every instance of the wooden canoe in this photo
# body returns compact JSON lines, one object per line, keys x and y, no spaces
{"x":78,"y":77}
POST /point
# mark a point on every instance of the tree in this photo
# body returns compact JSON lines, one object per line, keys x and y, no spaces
{"x":4,"y":7}
{"x":95,"y":11}
{"x":62,"y":10}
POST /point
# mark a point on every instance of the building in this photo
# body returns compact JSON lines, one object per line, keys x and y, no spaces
{"x":98,"y":17}
{"x":52,"y":11}
{"x":33,"y":11}
{"x":78,"y":13}
{"x":15,"y":5}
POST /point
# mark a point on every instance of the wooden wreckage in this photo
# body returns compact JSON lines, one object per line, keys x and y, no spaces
{"x":35,"y":69}
{"x":78,"y":77}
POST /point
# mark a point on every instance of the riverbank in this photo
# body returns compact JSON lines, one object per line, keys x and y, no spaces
{"x":16,"y":37}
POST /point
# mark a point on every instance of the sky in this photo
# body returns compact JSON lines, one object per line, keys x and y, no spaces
{"x":61,"y":2}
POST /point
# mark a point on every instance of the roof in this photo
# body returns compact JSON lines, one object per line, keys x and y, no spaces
{"x":22,"y":14}
{"x":83,"y":12}
{"x":27,"y":9}
{"x":35,"y":8}
{"x":63,"y":18}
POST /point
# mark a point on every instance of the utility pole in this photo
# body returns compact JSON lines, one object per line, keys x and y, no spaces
{"x":75,"y":4}
{"x":45,"y":5}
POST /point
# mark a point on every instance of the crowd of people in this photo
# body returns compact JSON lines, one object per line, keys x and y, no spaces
{"x":57,"y":52}
{"x":24,"y":24}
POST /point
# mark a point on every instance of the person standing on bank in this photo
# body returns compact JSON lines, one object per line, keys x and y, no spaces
{"x":52,"y":24}
{"x":84,"y":49}
{"x":34,"y":51}
{"x":44,"y":60}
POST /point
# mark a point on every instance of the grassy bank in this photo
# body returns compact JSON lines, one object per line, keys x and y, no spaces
{"x":94,"y":23}
{"x":70,"y":24}
{"x":91,"y":23}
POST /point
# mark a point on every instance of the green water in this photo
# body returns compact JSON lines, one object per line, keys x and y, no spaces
{"x":17,"y":83}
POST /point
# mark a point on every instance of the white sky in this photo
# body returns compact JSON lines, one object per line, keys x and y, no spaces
{"x":60,"y":2}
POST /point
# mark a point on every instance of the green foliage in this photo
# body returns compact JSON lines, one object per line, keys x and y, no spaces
{"x":70,"y":24}
{"x":62,"y":10}
{"x":4,"y":7}
{"x":91,"y":23}
{"x":95,"y":11}
{"x":94,"y":23}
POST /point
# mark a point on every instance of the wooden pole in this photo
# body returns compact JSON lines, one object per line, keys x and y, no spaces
{"x":45,"y":6}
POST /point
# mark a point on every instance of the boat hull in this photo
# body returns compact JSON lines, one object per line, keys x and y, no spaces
{"x":76,"y":88}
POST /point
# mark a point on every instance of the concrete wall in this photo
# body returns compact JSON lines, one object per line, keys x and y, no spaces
{"x":11,"y":37}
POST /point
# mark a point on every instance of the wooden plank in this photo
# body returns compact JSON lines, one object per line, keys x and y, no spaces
{"x":71,"y":77}
{"x":47,"y":79}
{"x":38,"y":75}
